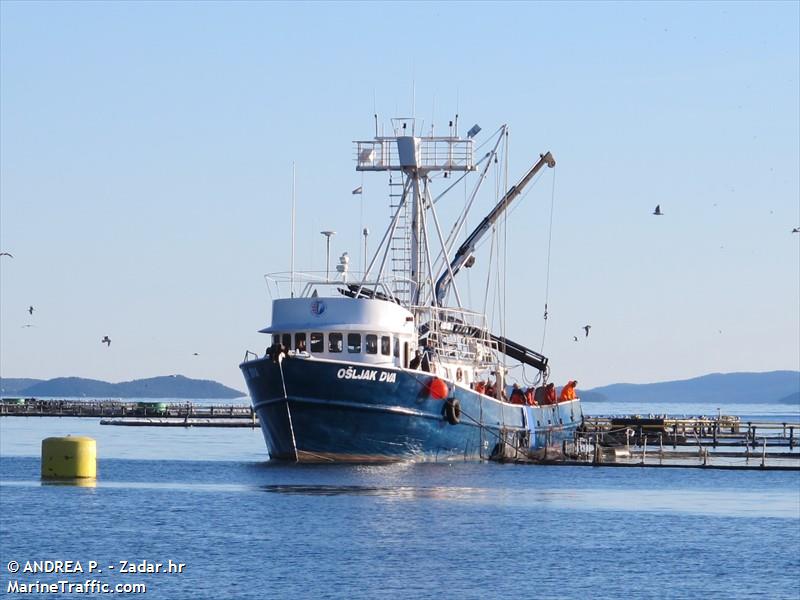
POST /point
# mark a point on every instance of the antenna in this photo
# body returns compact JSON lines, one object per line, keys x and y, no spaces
{"x":292,"y":267}
{"x":433,"y":114}
{"x":457,"y":91}
{"x":413,"y":98}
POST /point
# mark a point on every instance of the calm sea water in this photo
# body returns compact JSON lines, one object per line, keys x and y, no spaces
{"x":247,"y":528}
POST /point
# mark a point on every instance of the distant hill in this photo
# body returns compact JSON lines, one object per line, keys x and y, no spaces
{"x":590,"y":396}
{"x":13,"y":386}
{"x":791,"y":399}
{"x":168,"y":386}
{"x":772,"y":386}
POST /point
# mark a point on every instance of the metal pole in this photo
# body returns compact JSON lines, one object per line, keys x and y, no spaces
{"x":328,"y":235}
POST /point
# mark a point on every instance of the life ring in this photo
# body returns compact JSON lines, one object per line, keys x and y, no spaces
{"x":452,"y":411}
{"x":459,"y":374}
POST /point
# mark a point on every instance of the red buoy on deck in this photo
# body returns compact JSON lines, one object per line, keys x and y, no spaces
{"x":437,"y":389}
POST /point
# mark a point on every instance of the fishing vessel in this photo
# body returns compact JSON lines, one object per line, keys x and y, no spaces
{"x":388,"y":364}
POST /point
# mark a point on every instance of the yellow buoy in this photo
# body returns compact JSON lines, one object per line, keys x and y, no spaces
{"x":70,"y":457}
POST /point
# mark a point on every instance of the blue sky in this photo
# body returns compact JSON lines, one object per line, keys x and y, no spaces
{"x":146,"y":152}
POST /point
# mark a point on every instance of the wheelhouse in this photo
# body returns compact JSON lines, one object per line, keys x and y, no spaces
{"x":358,"y":330}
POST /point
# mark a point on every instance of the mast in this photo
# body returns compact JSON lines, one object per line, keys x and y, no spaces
{"x":415,"y":158}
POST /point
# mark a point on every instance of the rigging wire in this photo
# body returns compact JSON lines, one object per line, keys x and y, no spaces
{"x":489,"y":272}
{"x":505,"y":249}
{"x":488,"y":139}
{"x":469,"y":275}
{"x":517,"y":203}
{"x":549,"y":245}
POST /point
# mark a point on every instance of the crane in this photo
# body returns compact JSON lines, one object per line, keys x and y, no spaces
{"x":465,"y":253}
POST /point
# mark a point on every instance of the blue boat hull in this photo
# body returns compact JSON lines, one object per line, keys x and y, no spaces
{"x":326,"y":411}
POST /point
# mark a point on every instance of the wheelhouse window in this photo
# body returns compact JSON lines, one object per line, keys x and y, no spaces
{"x":286,"y":340}
{"x":300,"y":342}
{"x":334,"y":342}
{"x":317,"y":342}
{"x":397,"y":347}
{"x":386,"y":345}
{"x":353,"y":343}
{"x":372,"y":343}
{"x":276,"y":338}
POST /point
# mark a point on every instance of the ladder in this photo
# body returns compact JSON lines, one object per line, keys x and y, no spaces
{"x":400,"y":242}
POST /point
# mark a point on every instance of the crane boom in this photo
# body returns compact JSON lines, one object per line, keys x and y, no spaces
{"x":465,"y":251}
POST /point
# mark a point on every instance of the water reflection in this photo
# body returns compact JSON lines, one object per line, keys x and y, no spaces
{"x":779,"y":504}
{"x":728,"y":503}
{"x":407,"y":492}
{"x":85,"y":483}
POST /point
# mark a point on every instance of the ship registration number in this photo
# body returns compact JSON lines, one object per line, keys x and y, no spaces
{"x":367,"y":374}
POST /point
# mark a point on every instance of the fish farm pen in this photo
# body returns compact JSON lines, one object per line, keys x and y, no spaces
{"x":718,"y":442}
{"x":129,"y":413}
{"x":723,"y":441}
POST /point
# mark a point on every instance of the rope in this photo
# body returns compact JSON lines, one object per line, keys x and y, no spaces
{"x":288,"y":412}
{"x":485,"y":428}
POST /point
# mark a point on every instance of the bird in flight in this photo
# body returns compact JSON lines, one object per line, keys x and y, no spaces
{"x":7,"y":254}
{"x":30,"y":310}
{"x":28,"y":325}
{"x":196,"y":354}
{"x":657,"y":211}
{"x":796,"y":230}
{"x":574,"y":338}
{"x":106,"y":340}
{"x":586,"y":328}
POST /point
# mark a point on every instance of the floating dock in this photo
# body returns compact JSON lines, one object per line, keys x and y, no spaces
{"x":118,"y":412}
{"x":184,"y":422}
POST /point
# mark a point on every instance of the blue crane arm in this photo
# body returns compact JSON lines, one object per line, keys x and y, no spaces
{"x":465,"y":251}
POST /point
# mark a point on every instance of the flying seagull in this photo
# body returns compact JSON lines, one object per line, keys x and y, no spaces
{"x":586,"y":328}
{"x":7,"y":254}
{"x":106,"y":340}
{"x":28,"y":325}
{"x":30,"y":310}
{"x":657,"y":211}
{"x":574,"y":338}
{"x":196,"y":354}
{"x":796,"y":230}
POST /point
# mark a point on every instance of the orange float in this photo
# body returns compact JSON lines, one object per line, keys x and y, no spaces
{"x":437,"y":389}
